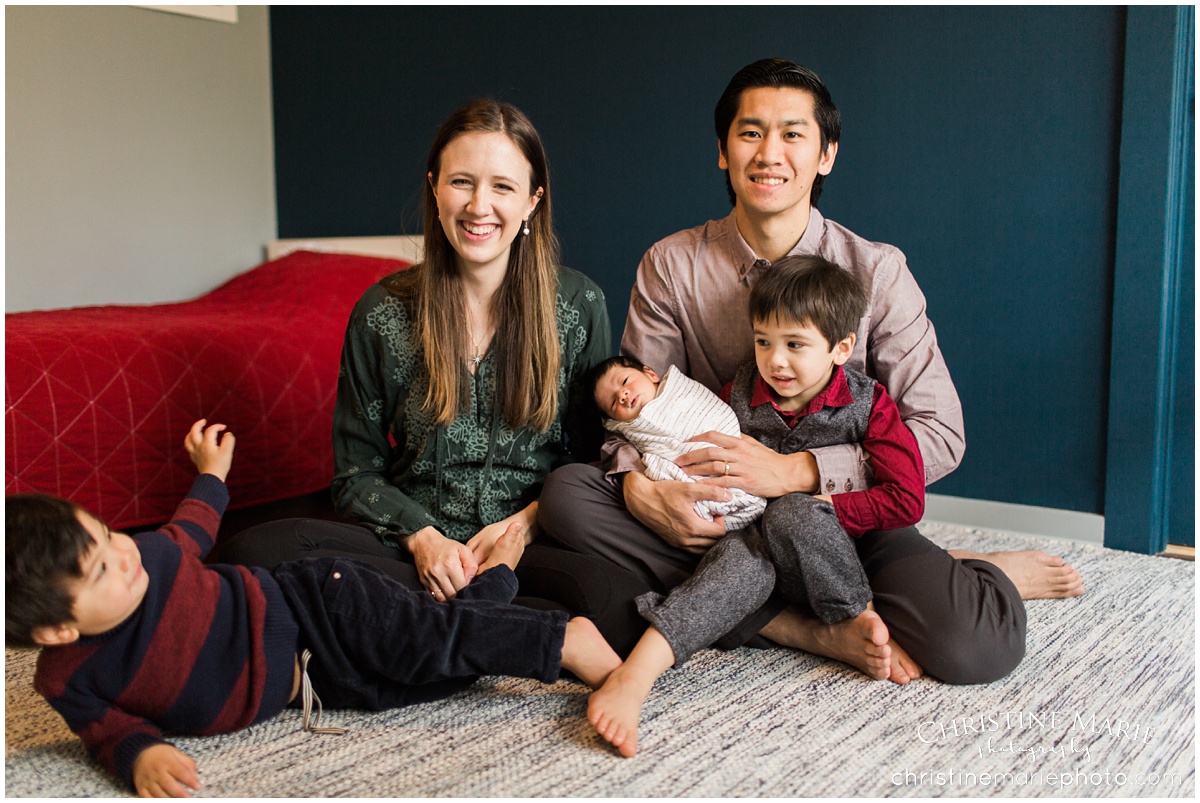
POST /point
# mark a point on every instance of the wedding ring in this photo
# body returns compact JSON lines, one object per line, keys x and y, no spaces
{"x":726,"y":470}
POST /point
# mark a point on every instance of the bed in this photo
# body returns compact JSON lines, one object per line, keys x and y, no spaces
{"x":97,"y":399}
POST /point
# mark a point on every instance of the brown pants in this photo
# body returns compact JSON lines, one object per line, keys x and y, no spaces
{"x":962,"y":621}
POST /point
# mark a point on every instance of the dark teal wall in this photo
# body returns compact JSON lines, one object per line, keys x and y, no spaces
{"x":1150,"y":491}
{"x":983,"y":142}
{"x":1182,"y":510}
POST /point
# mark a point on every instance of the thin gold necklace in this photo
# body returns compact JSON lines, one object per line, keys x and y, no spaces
{"x":478,"y":356}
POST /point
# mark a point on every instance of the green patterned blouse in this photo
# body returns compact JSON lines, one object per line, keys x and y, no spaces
{"x":395,"y":472}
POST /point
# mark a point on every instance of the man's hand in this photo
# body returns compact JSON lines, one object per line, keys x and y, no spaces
{"x":482,"y":542}
{"x":668,"y":508}
{"x":443,"y":565}
{"x":752,"y":467}
{"x":210,"y":455}
{"x":162,"y":770}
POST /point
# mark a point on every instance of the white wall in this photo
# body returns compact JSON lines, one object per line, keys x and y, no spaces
{"x":139,"y":153}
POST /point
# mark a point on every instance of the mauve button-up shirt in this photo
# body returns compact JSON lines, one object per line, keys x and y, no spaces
{"x":690,"y":308}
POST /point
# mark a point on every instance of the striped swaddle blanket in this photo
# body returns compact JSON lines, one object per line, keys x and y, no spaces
{"x":683,"y":409}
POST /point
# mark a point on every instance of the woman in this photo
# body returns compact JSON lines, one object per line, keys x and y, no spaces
{"x":453,"y":397}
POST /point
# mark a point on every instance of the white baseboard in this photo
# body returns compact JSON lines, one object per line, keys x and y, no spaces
{"x":1028,"y":519}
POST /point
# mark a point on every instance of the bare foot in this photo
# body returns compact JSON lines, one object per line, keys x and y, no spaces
{"x":861,"y":641}
{"x":614,"y":709}
{"x":507,"y":549}
{"x":1035,"y":574}
{"x":902,"y":667}
{"x":586,"y":654}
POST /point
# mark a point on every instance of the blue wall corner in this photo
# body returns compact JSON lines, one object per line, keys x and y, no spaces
{"x":1156,"y":171}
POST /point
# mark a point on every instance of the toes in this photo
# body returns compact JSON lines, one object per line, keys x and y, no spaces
{"x":883,"y":651}
{"x":595,"y":716}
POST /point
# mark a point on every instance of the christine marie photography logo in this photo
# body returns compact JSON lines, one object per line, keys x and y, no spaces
{"x":1029,"y":748}
{"x":1023,"y":733}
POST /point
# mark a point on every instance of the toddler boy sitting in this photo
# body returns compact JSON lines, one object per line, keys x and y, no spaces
{"x":794,"y":396}
{"x":139,"y":636}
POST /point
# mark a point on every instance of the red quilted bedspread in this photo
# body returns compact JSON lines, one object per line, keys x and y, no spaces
{"x":97,"y":400}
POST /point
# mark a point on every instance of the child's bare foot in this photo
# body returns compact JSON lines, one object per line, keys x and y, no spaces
{"x":507,"y":549}
{"x":614,"y":709}
{"x":902,"y":667}
{"x":586,"y":654}
{"x":1036,"y":574}
{"x":861,"y":641}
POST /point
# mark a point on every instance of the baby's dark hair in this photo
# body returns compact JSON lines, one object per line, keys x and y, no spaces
{"x":810,"y":290}
{"x":44,"y":546}
{"x":597,"y":373}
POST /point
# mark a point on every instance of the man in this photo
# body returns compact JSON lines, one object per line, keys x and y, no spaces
{"x":957,"y":616}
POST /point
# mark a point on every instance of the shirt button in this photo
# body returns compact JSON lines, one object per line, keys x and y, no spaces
{"x":829,"y":486}
{"x":849,"y":485}
{"x":337,"y":575}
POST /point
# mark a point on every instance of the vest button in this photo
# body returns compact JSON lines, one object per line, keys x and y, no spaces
{"x":849,"y":485}
{"x":829,"y":486}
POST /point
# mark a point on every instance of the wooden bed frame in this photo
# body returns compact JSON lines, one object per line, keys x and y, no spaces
{"x":409,"y":247}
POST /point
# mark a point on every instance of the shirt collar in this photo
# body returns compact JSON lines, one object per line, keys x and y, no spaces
{"x":810,"y":243}
{"x":835,"y":394}
{"x":743,"y":257}
{"x":740,"y":253}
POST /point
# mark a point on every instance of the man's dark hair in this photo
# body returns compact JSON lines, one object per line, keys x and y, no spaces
{"x":778,"y":73}
{"x":810,"y":290}
{"x":597,"y":373}
{"x":44,"y":545}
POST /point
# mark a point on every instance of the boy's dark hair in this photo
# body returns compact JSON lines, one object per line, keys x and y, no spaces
{"x":597,"y":373}
{"x":779,"y":74}
{"x":44,"y":545}
{"x":809,"y":289}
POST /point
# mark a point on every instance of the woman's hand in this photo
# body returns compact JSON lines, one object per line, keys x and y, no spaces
{"x":445,"y":566}
{"x":482,"y":542}
{"x":747,"y":464}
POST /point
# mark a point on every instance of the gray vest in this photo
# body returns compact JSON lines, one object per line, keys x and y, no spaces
{"x":829,"y":426}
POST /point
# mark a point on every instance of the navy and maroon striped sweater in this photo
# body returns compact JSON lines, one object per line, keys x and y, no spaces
{"x":210,"y":650}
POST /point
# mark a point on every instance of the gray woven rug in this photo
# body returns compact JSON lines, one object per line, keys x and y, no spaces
{"x":1102,"y":706}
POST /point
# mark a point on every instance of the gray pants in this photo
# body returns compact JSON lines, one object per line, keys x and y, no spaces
{"x":962,"y":621}
{"x":799,"y":547}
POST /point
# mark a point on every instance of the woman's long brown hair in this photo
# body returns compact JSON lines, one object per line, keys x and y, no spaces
{"x":527,"y":352}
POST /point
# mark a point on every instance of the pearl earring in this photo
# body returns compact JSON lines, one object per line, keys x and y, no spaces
{"x":526,"y":229}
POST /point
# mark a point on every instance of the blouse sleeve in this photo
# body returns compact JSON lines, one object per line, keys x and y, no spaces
{"x":369,"y":391}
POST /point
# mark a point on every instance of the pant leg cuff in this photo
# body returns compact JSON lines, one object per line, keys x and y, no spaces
{"x":649,"y":605}
{"x":497,"y":584}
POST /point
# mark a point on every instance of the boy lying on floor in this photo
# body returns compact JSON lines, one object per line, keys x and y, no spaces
{"x":139,"y":636}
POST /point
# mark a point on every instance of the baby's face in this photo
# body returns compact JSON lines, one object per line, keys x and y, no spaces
{"x":623,"y":392}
